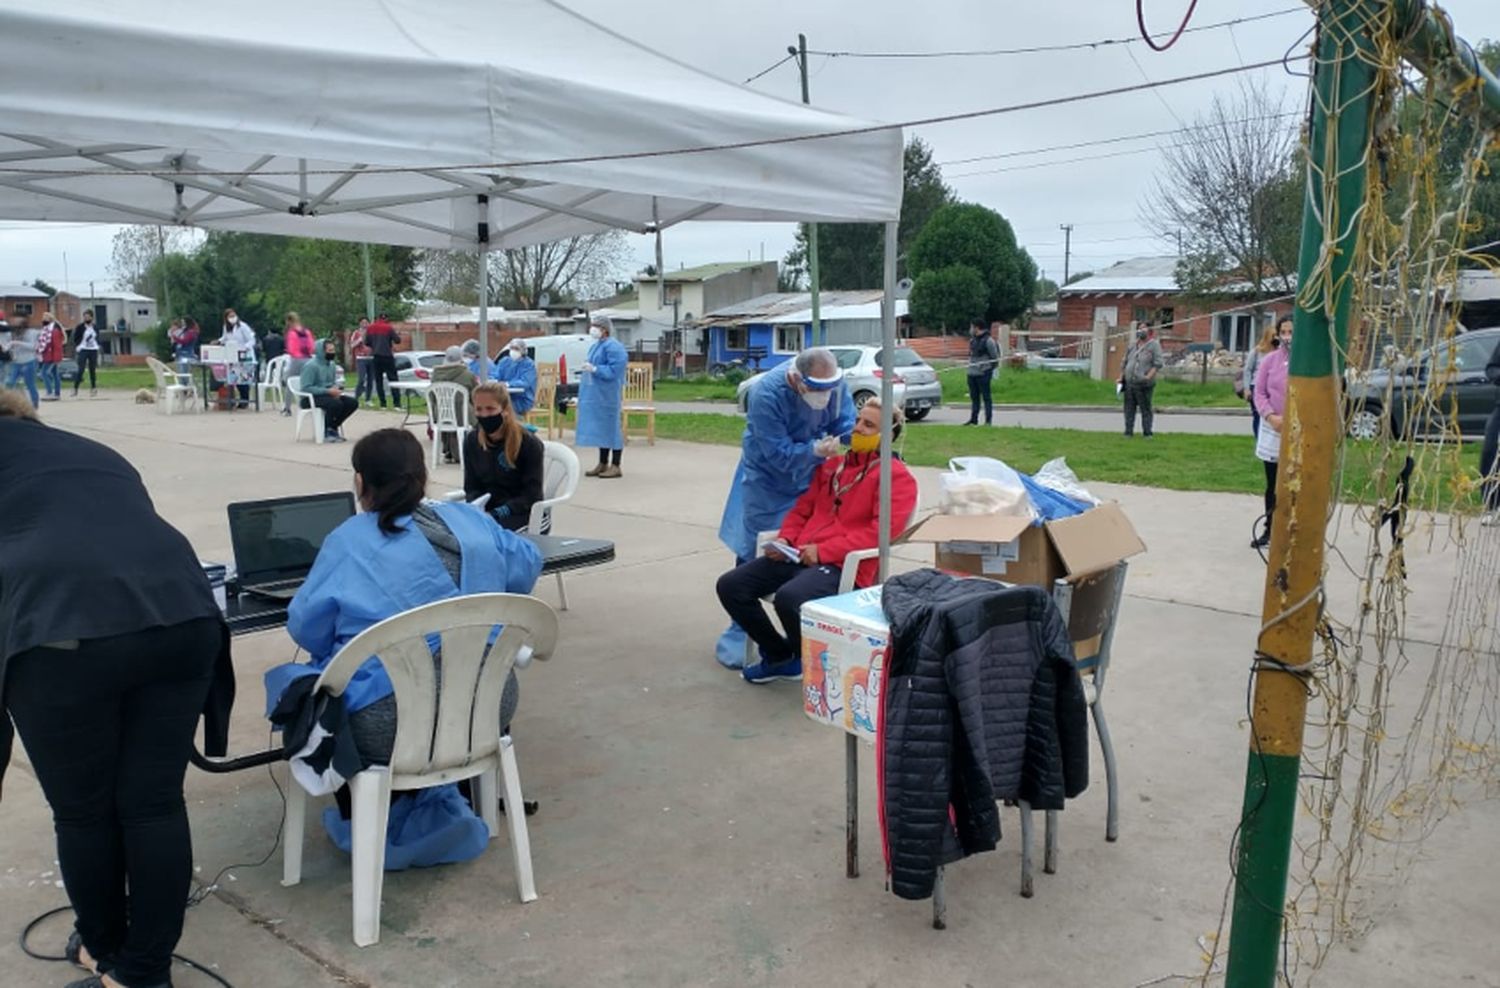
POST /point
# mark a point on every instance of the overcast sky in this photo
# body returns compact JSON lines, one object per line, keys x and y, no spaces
{"x":1100,"y":196}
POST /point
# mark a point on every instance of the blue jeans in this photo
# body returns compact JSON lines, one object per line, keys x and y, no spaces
{"x":26,"y":372}
{"x":52,"y":379}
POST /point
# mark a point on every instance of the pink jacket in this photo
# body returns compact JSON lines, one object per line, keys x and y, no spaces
{"x":299,"y":342}
{"x":1270,"y":382}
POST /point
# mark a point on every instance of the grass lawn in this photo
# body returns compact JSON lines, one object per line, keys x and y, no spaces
{"x":1176,"y":462}
{"x":1022,"y":386}
{"x":697,"y":388}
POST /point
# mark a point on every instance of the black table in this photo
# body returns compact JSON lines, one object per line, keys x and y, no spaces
{"x":205,"y":372}
{"x":247,"y":613}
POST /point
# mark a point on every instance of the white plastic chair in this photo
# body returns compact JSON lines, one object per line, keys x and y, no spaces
{"x":172,"y":395}
{"x":447,"y":412}
{"x":447,"y":730}
{"x":272,"y":375}
{"x":560,"y":473}
{"x":294,"y":385}
{"x":1098,"y":637}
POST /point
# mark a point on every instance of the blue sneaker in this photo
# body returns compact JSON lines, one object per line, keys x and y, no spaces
{"x":770,"y":672}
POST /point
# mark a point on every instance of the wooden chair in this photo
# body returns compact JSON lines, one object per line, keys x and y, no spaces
{"x":637,"y":399}
{"x":545,"y":407}
{"x":448,"y":729}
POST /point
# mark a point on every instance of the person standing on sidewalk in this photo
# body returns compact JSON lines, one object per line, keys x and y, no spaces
{"x":1245,"y":386}
{"x":22,"y":348}
{"x":1270,"y":401}
{"x":1490,"y":451}
{"x":364,"y":367}
{"x":984,"y":357}
{"x":1138,"y":378}
{"x":381,"y":337}
{"x":50,"y":354}
{"x":600,"y":389}
{"x":86,"y":353}
{"x":299,"y":350}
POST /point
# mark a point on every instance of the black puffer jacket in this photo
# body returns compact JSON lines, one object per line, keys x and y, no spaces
{"x":983,"y":703}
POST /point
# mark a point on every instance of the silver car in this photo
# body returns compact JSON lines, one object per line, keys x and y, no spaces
{"x":916,"y":386}
{"x":417,"y":365}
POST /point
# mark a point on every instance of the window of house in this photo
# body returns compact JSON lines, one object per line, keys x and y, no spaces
{"x":23,"y":308}
{"x":736,"y":338}
{"x":1235,"y":331}
{"x":1166,"y":317}
{"x":670,"y":293}
{"x":1142,"y":314}
{"x":143,"y":312}
{"x":788,"y":339}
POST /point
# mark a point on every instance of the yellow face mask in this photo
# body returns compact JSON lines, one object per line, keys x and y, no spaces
{"x":859,"y":443}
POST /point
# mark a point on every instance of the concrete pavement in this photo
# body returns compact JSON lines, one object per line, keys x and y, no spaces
{"x":691,"y":830}
{"x":1208,"y":421}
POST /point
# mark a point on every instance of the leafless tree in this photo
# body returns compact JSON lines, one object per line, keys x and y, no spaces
{"x":1231,"y":190}
{"x":574,"y":268}
{"x":135,"y":248}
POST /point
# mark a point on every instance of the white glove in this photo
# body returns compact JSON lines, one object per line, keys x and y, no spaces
{"x":827,"y":446}
{"x":588,"y":368}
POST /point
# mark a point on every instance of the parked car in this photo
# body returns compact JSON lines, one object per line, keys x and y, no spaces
{"x":1380,"y":402}
{"x":417,"y":365}
{"x":916,"y":385}
{"x":568,"y":351}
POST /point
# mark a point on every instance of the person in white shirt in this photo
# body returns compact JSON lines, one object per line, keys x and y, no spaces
{"x":86,"y":353}
{"x":240,"y":335}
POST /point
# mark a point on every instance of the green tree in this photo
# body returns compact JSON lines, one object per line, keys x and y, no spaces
{"x":965,"y":237}
{"x":1046,"y":289}
{"x":851,"y":255}
{"x":42,"y":286}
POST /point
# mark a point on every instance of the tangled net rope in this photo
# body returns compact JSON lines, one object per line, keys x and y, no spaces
{"x":1403,"y":712}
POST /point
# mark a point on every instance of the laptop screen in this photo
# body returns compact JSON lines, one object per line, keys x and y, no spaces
{"x":278,"y":539}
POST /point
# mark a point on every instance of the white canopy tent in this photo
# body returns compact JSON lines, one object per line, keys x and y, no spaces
{"x":459,"y":124}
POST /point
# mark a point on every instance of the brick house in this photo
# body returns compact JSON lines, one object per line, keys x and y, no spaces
{"x":1145,"y":289}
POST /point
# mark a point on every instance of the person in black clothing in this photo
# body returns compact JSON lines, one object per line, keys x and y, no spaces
{"x":381,"y":337}
{"x":984,"y":357}
{"x":273,"y":346}
{"x":105,"y":670}
{"x":1488,"y":452}
{"x":502,"y":459}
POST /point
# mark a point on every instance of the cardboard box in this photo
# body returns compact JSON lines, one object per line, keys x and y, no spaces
{"x":845,"y":641}
{"x":1011,"y":549}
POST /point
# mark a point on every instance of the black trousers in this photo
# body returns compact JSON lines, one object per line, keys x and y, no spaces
{"x":741,"y":589}
{"x":1138,"y":396}
{"x":336,"y":408}
{"x":384,"y":369}
{"x":1487,"y":456}
{"x":108,"y":727}
{"x":88,"y":360}
{"x":1270,"y":493}
{"x":979,"y":390}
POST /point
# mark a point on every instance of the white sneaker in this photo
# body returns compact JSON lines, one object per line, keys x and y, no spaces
{"x":1490,"y":519}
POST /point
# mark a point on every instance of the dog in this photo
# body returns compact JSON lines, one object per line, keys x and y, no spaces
{"x":145,"y":396}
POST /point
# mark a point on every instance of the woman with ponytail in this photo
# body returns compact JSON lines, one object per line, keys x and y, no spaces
{"x":502,"y":458}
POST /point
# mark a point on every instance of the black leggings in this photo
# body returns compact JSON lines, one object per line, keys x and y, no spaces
{"x":605,"y":455}
{"x":108,"y":727}
{"x":741,"y":589}
{"x":1270,"y":493}
{"x":87,"y":360}
{"x":384,"y":368}
{"x":336,"y":408}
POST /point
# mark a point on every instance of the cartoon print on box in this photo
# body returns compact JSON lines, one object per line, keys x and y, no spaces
{"x":812,"y":679}
{"x":833,"y":688}
{"x":863,"y":686}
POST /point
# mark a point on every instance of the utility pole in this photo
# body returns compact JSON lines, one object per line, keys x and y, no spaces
{"x":799,"y":51}
{"x":1067,"y":229}
{"x":364,"y":250}
{"x":164,"y":314}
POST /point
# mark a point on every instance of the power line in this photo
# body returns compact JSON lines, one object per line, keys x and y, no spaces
{"x":1071,"y":161}
{"x":167,"y":173}
{"x":768,"y":69}
{"x":1034,"y":49}
{"x":1116,"y":140}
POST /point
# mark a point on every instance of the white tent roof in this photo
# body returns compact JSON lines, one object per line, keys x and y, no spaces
{"x":387,"y":120}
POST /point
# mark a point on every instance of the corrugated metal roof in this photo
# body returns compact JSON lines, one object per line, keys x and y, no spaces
{"x":21,"y":291}
{"x":703,"y":272}
{"x":838,"y":312}
{"x":769,"y":307}
{"x":1139,"y":274}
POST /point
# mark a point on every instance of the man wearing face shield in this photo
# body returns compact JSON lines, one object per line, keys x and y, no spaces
{"x":794,"y":420}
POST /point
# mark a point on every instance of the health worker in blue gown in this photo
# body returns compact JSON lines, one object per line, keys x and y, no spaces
{"x":601,"y":389}
{"x":796,"y":415}
{"x":518,"y":373}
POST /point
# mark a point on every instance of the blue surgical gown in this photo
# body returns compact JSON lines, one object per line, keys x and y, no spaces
{"x":776,"y":457}
{"x":363,"y":576}
{"x":599,"y":396}
{"x":519,"y":376}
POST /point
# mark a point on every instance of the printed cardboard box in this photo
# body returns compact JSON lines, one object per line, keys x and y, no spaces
{"x":845,"y":641}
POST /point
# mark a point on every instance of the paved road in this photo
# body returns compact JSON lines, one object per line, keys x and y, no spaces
{"x":1101,"y":420}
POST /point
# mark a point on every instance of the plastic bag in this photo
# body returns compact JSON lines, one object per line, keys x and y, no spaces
{"x":979,"y":485}
{"x":1058,"y":476}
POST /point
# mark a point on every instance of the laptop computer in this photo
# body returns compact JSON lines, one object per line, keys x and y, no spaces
{"x":275,"y":541}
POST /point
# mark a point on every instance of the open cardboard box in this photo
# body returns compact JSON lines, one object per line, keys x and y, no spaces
{"x":1012,"y":549}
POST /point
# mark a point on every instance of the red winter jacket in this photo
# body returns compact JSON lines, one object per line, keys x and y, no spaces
{"x":50,"y":349}
{"x":841,"y":524}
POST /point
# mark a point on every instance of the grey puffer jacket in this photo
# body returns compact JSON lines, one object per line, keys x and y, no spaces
{"x":983,"y":702}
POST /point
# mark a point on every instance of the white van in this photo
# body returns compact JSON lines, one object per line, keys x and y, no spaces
{"x":569,"y":351}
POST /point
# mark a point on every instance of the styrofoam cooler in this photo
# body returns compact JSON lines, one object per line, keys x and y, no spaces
{"x":845,"y":640}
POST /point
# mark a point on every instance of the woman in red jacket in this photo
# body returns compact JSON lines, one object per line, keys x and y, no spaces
{"x":838,"y":514}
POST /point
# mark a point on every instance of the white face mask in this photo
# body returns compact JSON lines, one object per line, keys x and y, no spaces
{"x":817,"y":400}
{"x":233,"y":321}
{"x":595,"y":332}
{"x":517,"y":354}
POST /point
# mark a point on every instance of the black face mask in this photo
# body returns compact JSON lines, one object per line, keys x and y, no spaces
{"x":329,"y":355}
{"x":491,"y":423}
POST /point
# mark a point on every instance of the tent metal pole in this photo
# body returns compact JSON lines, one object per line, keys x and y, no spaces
{"x":364,"y":253}
{"x":484,"y":287}
{"x":887,"y":393}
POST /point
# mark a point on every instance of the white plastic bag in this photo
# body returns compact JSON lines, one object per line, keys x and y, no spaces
{"x":979,"y":485}
{"x":1056,"y":475}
